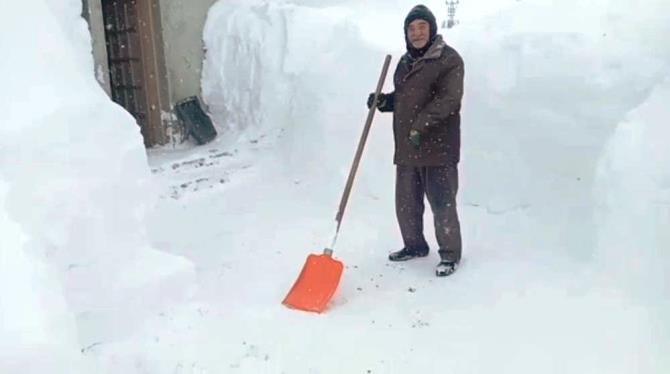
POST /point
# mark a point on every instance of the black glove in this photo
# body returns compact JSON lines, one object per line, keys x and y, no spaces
{"x":381,"y":100}
{"x":415,"y":138}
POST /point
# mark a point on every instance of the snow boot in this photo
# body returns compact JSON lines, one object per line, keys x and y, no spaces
{"x":445,"y":268}
{"x":407,"y":254}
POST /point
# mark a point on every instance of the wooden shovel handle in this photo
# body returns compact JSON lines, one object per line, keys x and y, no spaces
{"x":361,"y":144}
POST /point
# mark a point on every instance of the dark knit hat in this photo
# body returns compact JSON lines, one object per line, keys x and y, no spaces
{"x":422,"y":12}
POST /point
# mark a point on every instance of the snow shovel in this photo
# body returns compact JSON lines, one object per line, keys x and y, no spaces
{"x":321,"y":273}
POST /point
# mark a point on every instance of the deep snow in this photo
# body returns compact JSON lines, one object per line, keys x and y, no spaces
{"x":563,"y":201}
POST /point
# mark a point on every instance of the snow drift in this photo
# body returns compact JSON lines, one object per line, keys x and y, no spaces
{"x":76,"y":187}
{"x":563,"y":199}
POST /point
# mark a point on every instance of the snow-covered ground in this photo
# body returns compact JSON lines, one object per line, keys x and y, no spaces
{"x":564,"y":200}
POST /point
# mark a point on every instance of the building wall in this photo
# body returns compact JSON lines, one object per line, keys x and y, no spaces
{"x":92,"y":12}
{"x":183,"y":22}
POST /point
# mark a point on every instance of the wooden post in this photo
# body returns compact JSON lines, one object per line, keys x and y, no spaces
{"x":154,"y":72}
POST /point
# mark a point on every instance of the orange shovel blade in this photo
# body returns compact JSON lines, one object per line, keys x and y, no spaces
{"x":316,"y":284}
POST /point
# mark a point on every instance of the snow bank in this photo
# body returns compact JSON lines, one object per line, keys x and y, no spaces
{"x":37,"y":331}
{"x":546,"y":84}
{"x":633,"y":189}
{"x":270,"y":77}
{"x":77,"y":184}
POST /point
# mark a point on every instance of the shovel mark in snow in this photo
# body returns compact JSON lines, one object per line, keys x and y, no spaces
{"x":419,"y":324}
{"x":252,"y":351}
{"x":196,"y":162}
{"x":207,"y":172}
{"x":222,"y":154}
{"x":90,"y":347}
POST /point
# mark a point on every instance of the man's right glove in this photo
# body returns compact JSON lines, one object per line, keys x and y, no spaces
{"x":385,"y":102}
{"x":381,"y":100}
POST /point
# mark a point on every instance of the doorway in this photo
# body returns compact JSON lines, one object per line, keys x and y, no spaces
{"x":136,"y":63}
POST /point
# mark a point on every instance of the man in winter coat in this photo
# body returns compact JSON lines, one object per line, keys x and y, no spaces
{"x":426,"y":107}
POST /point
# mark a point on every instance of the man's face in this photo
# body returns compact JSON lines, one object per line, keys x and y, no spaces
{"x":418,"y":33}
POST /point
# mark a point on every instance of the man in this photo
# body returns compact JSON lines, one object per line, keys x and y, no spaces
{"x":426,"y":124}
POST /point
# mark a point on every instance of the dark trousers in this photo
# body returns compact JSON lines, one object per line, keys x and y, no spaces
{"x":440,"y":185}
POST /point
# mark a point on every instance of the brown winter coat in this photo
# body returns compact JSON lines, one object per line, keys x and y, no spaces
{"x":427,"y":98}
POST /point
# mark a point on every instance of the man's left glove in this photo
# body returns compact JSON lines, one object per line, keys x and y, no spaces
{"x":415,"y":138}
